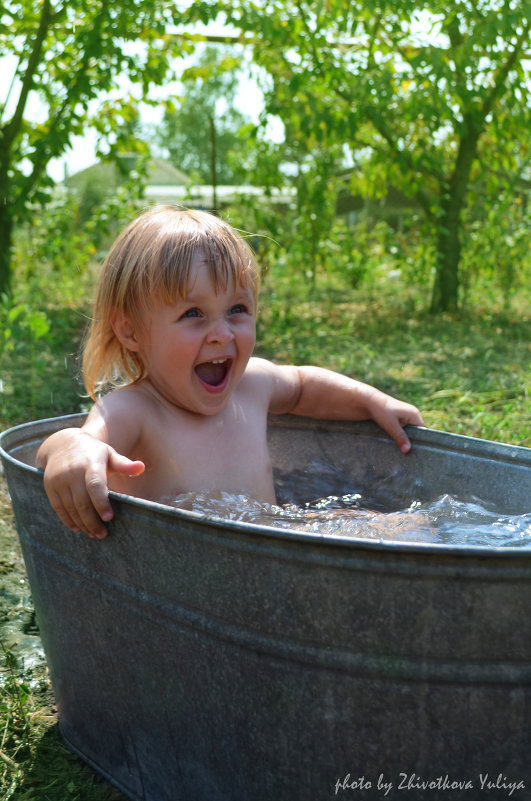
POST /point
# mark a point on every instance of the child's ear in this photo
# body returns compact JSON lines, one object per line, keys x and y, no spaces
{"x":124,"y":330}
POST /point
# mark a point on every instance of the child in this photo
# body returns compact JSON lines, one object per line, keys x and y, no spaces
{"x":173,"y":335}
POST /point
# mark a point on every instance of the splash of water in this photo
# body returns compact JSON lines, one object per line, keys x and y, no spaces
{"x":447,"y":520}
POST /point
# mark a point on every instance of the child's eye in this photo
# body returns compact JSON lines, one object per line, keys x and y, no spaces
{"x":190,"y":313}
{"x":239,"y":308}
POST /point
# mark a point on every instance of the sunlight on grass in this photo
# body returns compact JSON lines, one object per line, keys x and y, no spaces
{"x":469,"y":373}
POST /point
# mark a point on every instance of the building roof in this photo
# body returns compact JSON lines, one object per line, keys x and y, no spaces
{"x":106,"y":173}
{"x":167,"y":184}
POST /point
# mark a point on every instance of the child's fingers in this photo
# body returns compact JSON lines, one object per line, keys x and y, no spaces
{"x":93,"y":501}
{"x":93,"y":506}
{"x":413,"y":418}
{"x":74,"y":507}
{"x":76,"y":515}
{"x":60,"y":498}
{"x":397,"y":433}
{"x":123,"y":465}
{"x":397,"y":418}
{"x":61,"y":511}
{"x":393,"y":423}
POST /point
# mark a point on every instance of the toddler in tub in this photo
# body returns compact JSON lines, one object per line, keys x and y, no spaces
{"x":172,"y":338}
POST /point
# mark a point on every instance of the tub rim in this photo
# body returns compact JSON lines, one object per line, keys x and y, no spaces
{"x":517,"y":454}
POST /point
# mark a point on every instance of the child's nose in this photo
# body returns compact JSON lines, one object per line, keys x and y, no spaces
{"x":220,"y":331}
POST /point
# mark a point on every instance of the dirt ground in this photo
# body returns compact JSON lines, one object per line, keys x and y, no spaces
{"x":18,"y":630}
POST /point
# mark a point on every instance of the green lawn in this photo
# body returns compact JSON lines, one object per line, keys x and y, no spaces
{"x":469,"y":373}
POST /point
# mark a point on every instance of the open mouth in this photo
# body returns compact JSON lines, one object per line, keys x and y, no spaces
{"x":213,"y":373}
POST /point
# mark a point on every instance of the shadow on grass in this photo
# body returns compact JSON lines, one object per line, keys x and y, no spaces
{"x":56,"y":774}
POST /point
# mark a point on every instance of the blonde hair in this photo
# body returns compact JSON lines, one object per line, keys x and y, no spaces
{"x":151,"y":263}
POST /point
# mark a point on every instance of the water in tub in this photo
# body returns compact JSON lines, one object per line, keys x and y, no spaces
{"x":389,"y":512}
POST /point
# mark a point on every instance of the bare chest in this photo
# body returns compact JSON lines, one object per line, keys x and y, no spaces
{"x":225,"y":452}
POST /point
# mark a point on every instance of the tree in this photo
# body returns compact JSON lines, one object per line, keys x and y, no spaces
{"x":68,"y":54}
{"x":411,"y":88}
{"x":200,"y":134}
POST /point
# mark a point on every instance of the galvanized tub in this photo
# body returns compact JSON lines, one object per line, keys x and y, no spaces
{"x":205,"y":660}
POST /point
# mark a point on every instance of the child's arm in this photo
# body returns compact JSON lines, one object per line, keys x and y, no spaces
{"x":76,"y":464}
{"x":326,"y":395}
{"x":332,"y":396}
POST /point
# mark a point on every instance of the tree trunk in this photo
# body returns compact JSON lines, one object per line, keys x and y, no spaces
{"x":6,"y":240}
{"x":213,"y":166}
{"x":445,"y":294}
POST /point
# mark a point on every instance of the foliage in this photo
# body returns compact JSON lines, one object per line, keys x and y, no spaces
{"x":496,"y":254}
{"x":43,"y":317}
{"x":316,"y":211}
{"x":200,"y":134}
{"x":73,"y":57}
{"x":38,"y":361}
{"x":428,"y":97}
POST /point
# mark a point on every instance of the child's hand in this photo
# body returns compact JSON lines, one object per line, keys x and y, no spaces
{"x":391,"y":415}
{"x":76,"y":466}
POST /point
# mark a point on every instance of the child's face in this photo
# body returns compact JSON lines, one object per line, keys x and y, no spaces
{"x":197,"y":349}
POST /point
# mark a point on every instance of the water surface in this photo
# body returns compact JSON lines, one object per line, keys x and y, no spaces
{"x":447,"y":519}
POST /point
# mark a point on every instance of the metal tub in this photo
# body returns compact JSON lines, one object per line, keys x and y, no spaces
{"x":206,"y":660}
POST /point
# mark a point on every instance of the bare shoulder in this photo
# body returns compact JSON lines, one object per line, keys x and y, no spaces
{"x":263,"y":372}
{"x":258,"y":367}
{"x":130,"y":399}
{"x":118,"y":417}
{"x":280,"y":382}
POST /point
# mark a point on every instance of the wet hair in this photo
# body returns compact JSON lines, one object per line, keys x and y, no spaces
{"x":151,"y":263}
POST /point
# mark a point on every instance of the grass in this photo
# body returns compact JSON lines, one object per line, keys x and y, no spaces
{"x":469,"y":373}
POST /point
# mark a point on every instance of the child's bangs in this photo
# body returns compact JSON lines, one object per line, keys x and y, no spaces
{"x":229,"y":261}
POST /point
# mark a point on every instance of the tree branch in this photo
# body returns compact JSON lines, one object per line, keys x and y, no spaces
{"x":12,"y":128}
{"x":504,"y":71}
{"x":373,"y":37}
{"x":43,"y":152}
